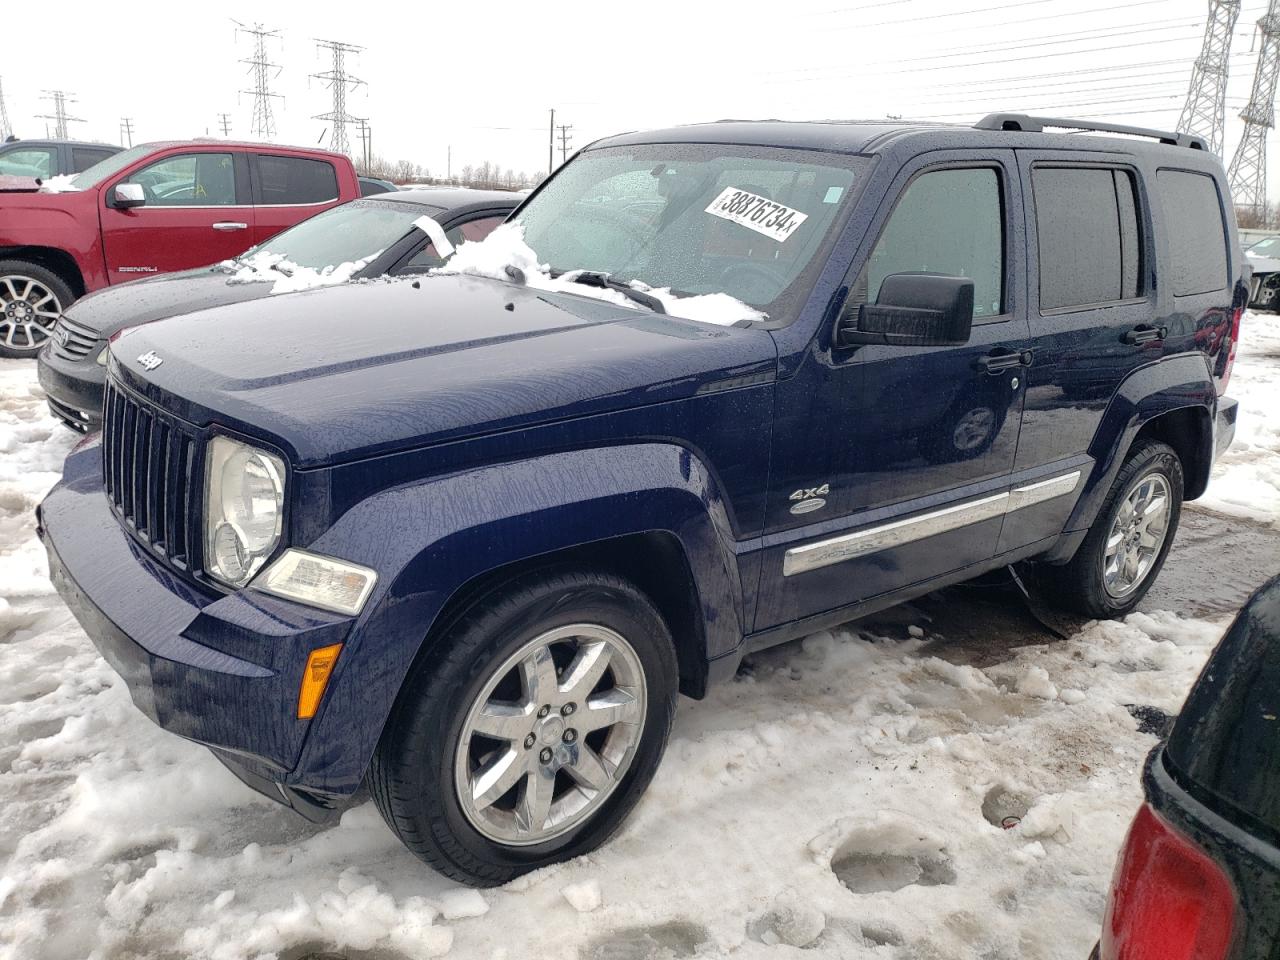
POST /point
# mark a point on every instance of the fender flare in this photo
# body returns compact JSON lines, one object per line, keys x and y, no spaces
{"x":429,"y":539}
{"x":1174,"y":383}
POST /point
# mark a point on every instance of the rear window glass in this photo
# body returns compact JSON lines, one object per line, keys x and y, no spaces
{"x":290,"y":180}
{"x":1197,"y":238}
{"x":1088,"y":238}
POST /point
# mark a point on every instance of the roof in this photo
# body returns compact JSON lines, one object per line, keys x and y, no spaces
{"x":869,"y":137}
{"x":241,"y":144}
{"x":452,"y":197}
{"x":33,"y":142}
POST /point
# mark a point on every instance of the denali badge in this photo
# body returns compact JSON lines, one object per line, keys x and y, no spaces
{"x":150,"y":360}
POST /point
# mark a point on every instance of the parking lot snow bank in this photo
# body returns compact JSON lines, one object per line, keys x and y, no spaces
{"x":503,"y":252}
{"x":860,"y":794}
{"x":1246,"y":479}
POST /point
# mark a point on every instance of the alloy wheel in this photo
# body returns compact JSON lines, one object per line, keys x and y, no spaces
{"x":28,"y":311}
{"x":1137,"y":535}
{"x":551,"y":734}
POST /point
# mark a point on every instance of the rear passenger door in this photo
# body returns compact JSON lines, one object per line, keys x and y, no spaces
{"x":1092,"y":313}
{"x":288,"y":190}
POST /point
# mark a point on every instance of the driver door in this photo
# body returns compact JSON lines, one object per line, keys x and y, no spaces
{"x":197,"y":213}
{"x":890,"y":461}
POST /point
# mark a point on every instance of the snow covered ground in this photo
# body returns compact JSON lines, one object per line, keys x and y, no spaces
{"x":864,"y":793}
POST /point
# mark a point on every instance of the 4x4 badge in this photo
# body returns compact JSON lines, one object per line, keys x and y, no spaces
{"x":809,"y":499}
{"x":150,"y":360}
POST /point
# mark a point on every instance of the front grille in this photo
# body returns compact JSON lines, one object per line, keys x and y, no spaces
{"x":72,"y":341}
{"x":149,"y":467}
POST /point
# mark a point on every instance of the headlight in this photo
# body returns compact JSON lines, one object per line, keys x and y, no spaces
{"x":324,"y":582}
{"x":243,"y":509}
{"x":102,"y":356}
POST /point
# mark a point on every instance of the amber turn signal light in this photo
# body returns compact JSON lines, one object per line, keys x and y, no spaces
{"x":315,"y":678}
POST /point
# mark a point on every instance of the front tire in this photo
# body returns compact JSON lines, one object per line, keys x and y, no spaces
{"x":528,"y":730}
{"x":32,"y":298}
{"x":1125,"y":548}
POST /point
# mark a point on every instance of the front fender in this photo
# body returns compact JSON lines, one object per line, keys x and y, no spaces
{"x":1173,"y":383}
{"x":429,"y":539}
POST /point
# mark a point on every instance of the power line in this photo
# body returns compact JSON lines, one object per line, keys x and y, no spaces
{"x":60,"y":118}
{"x":1205,"y":109}
{"x":565,"y":137}
{"x":338,"y":80}
{"x":263,"y":124}
{"x":1247,"y":174}
{"x":224,"y":121}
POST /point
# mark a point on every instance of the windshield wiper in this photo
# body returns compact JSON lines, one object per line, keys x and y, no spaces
{"x":598,"y":278}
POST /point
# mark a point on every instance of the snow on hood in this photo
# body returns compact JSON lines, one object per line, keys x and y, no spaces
{"x":286,"y":276}
{"x":62,"y":183}
{"x":503,"y":252}
{"x":1263,"y":264}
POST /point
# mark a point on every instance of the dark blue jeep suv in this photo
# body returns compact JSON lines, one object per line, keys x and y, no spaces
{"x":468,"y":536}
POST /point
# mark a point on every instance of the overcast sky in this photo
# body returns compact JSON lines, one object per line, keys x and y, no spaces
{"x":481,"y":77}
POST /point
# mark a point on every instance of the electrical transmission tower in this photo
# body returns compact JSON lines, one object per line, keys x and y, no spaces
{"x":565,"y":138}
{"x":1204,"y":113}
{"x":60,"y":118}
{"x":1248,"y":171}
{"x":264,"y":123}
{"x":126,"y":131}
{"x":339,"y":81}
{"x":224,"y":121}
{"x":5,"y":128}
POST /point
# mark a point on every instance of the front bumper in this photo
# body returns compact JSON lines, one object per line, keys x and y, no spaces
{"x":220,"y":670}
{"x":74,"y":389}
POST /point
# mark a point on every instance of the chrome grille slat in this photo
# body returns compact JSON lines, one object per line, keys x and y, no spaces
{"x":80,"y":340}
{"x":148,"y":463}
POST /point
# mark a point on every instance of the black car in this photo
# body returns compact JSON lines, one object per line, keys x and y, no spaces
{"x":1199,"y":875}
{"x":372,"y":186}
{"x":72,"y":365}
{"x":43,"y":159}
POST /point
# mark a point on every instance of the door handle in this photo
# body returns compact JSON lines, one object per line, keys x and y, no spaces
{"x":226,"y":225}
{"x":998,"y":361}
{"x":1145,"y":333}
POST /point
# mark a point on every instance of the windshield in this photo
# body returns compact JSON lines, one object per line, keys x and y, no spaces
{"x":697,"y":218}
{"x":110,"y":166}
{"x":344,"y":234}
{"x":1269,"y":247}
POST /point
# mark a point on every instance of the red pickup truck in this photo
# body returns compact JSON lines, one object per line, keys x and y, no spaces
{"x":155,"y":208}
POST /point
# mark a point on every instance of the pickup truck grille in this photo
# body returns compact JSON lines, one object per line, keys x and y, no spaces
{"x":72,"y":341}
{"x":150,"y":471}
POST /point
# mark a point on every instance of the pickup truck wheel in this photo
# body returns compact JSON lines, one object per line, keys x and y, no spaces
{"x":529,"y":729}
{"x":31,"y":300}
{"x":1128,"y":542}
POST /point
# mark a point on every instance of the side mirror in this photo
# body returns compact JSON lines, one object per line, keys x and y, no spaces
{"x":126,"y":195}
{"x":912,"y":310}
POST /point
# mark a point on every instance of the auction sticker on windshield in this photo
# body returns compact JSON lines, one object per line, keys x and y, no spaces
{"x":757,"y":213}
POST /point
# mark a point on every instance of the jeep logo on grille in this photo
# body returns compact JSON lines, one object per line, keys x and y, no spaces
{"x":150,"y":360}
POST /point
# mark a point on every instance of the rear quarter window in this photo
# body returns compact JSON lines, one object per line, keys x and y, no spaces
{"x":283,"y":181}
{"x":1197,"y":236}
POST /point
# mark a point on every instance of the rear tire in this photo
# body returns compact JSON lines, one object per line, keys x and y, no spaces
{"x":1125,"y":548}
{"x":477,"y":711}
{"x":32,"y":298}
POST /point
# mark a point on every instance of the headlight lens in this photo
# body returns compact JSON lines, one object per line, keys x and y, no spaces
{"x":324,"y":582}
{"x":244,"y":508}
{"x":102,"y":356}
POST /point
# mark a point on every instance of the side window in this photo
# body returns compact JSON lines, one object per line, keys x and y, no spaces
{"x":1197,"y":240}
{"x":948,"y":222}
{"x":30,"y":162}
{"x":1089,"y":242}
{"x":284,"y":181}
{"x":189,"y":180}
{"x":82,"y":158}
{"x":427,"y":258}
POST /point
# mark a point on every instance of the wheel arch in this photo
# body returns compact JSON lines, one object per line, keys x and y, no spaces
{"x":52,"y":259}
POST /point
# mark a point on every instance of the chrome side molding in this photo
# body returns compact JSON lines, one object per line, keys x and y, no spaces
{"x":823,"y":553}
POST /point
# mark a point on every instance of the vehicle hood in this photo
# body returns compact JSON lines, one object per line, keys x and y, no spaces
{"x":112,"y":309}
{"x":1263,"y":264}
{"x":346,"y":372}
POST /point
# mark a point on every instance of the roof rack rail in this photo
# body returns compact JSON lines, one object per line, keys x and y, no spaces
{"x":1029,"y":124}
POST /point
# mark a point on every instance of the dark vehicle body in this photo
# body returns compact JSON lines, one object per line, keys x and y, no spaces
{"x":1212,"y":792}
{"x":69,"y":366}
{"x":372,"y":186}
{"x":51,"y":158}
{"x":752,"y":482}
